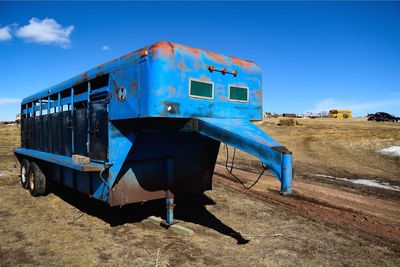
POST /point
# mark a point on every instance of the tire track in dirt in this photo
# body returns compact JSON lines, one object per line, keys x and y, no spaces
{"x":346,"y":212}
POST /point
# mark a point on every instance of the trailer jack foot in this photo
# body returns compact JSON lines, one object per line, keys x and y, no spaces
{"x":179,"y":229}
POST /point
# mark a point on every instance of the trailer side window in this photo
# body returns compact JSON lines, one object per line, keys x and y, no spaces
{"x":201,"y":89}
{"x":237,"y":93}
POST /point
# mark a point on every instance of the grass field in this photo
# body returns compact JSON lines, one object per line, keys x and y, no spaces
{"x":326,"y":221}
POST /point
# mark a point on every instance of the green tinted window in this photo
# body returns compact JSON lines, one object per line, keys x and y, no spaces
{"x":238,"y":93}
{"x":201,"y":89}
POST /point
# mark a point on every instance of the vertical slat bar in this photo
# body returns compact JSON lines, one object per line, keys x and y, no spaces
{"x":88,"y":119}
{"x":59,"y":102}
{"x":40,"y":109}
{"x":72,"y":121}
{"x":48,"y":105}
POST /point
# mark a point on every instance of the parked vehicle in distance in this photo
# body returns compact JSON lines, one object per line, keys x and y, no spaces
{"x":382,"y":116}
{"x":340,"y":114}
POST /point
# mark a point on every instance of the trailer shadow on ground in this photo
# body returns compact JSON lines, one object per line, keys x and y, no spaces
{"x":189,"y":208}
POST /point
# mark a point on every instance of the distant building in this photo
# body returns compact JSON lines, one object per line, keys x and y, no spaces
{"x":289,"y":115}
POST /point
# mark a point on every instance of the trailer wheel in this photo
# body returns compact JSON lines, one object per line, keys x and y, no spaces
{"x":37,"y":180}
{"x":24,"y":173}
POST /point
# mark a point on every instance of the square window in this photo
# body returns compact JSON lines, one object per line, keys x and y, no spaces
{"x":237,"y":93}
{"x":201,"y":89}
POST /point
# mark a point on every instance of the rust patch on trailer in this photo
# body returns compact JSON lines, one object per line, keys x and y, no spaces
{"x":128,"y":55}
{"x":246,"y":64}
{"x":130,"y":191}
{"x":258,"y":95}
{"x":204,"y":78}
{"x":162,"y":47}
{"x":217,"y":57}
{"x":100,"y":74}
{"x":115,"y":87}
{"x":99,"y":67}
{"x":171,"y":90}
{"x":133,"y":89}
{"x":195,"y":52}
{"x":182,"y":66}
{"x":84,"y":75}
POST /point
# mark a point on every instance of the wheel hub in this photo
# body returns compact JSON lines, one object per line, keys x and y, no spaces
{"x":23,"y":175}
{"x":32,"y":181}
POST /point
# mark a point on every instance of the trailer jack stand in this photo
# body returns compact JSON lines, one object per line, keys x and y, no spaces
{"x":169,"y":219}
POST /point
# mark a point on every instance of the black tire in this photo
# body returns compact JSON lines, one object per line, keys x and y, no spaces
{"x":37,"y":180}
{"x":24,"y":173}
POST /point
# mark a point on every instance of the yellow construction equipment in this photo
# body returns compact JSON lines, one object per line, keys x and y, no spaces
{"x":340,"y":114}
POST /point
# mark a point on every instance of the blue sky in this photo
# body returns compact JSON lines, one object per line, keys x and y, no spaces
{"x":314,"y":55}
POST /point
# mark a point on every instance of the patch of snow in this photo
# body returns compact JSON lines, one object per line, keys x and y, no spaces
{"x":370,"y":183}
{"x":1,"y":173}
{"x":374,"y":183}
{"x":392,"y":151}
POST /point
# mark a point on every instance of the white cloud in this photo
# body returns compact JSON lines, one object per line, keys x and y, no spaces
{"x":7,"y":100}
{"x":5,"y":33}
{"x":360,"y":107}
{"x":105,"y":48}
{"x":46,"y":31}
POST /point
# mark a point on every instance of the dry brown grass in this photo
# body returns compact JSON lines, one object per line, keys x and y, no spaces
{"x":341,"y":148}
{"x":288,"y":122}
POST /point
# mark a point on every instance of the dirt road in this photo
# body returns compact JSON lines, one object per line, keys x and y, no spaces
{"x":323,"y":223}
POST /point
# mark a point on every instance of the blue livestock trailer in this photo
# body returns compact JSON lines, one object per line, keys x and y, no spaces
{"x":147,"y":125}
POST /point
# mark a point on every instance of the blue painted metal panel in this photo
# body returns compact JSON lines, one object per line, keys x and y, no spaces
{"x":68,"y":177}
{"x":172,"y":66}
{"x":56,"y":171}
{"x":120,"y":144}
{"x":124,"y":84}
{"x":82,"y":181}
{"x":60,"y":160}
{"x":98,"y":71}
